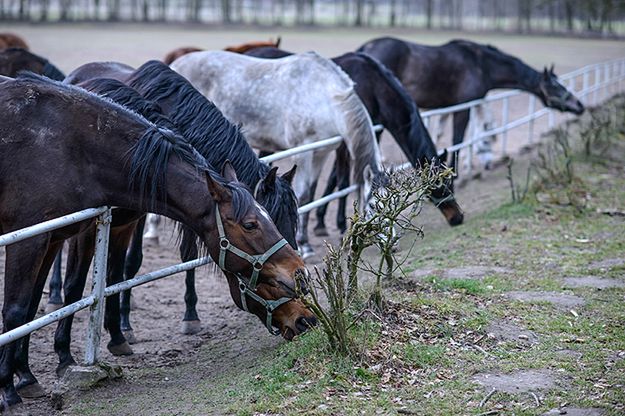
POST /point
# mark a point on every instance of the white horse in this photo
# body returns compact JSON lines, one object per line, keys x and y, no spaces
{"x":287,"y":102}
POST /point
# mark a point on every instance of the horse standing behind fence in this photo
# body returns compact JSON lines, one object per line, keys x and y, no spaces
{"x":67,"y":131}
{"x":461,"y":71}
{"x":288,"y":102}
{"x":205,"y":127}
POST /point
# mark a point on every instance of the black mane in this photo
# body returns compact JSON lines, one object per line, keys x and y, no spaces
{"x":212,"y":134}
{"x":150,"y":154}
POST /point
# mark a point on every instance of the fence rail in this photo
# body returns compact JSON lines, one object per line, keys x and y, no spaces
{"x":596,"y":81}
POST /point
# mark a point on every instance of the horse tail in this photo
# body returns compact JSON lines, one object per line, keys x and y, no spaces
{"x":355,"y":126}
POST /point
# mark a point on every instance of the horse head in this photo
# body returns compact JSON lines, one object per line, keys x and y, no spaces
{"x":258,"y":262}
{"x":442,"y":196}
{"x":555,"y":95}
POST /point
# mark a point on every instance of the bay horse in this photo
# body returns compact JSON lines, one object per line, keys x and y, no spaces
{"x":68,"y":131}
{"x":207,"y":130}
{"x":177,"y":53}
{"x":13,"y":60}
{"x":288,"y":102}
{"x":11,"y":40}
{"x":390,"y":105}
{"x":461,"y":71}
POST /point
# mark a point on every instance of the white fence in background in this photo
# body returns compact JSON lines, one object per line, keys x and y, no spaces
{"x":591,"y":84}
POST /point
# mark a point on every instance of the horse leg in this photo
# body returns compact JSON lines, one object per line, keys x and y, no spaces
{"x":119,"y":241}
{"x":55,"y":301}
{"x":343,"y":163}
{"x":22,"y":266}
{"x":134,"y":258}
{"x":79,"y":254}
{"x":461,"y":119}
{"x":188,"y":251}
{"x":27,"y":385}
{"x":153,"y":221}
{"x":320,"y":229}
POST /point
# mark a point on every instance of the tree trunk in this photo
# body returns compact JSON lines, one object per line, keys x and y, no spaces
{"x":226,"y":11}
{"x":393,"y":16}
{"x":568,"y":10}
{"x":359,"y":7}
{"x":428,"y":13}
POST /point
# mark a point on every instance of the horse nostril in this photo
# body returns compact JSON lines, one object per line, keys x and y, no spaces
{"x":456,"y":219}
{"x":303,"y":323}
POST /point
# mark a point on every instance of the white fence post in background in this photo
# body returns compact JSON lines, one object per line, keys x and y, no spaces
{"x":585,"y":84}
{"x":99,"y":284}
{"x":596,"y":83}
{"x":530,"y":112}
{"x":504,"y":122}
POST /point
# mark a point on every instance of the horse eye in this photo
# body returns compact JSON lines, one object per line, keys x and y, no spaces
{"x":250,"y":226}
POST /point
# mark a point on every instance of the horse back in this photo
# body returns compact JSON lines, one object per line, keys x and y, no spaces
{"x":112,"y":70}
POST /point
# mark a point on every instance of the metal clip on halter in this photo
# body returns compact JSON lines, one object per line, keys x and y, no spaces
{"x":257,"y":261}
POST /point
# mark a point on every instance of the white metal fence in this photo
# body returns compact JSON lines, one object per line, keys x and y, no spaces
{"x":591,"y":84}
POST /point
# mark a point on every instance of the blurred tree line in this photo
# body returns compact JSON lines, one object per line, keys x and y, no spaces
{"x":561,"y":16}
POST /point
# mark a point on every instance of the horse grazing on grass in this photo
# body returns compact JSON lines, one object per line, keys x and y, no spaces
{"x":177,"y":53}
{"x":388,"y":104}
{"x":68,"y":130}
{"x":461,"y":71}
{"x":11,"y":40}
{"x":13,"y":60}
{"x":288,"y":102}
{"x":205,"y":127}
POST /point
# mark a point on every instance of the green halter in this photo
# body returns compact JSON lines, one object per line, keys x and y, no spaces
{"x":257,"y":261}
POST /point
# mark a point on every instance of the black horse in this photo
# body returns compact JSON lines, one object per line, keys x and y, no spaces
{"x":14,"y":60}
{"x":205,"y":127}
{"x":461,"y":71}
{"x":98,"y":153}
{"x":388,"y":104}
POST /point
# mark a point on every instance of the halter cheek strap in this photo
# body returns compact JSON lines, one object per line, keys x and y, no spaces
{"x":257,"y":261}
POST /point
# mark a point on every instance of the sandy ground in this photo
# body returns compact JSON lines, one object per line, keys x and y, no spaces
{"x":235,"y":335}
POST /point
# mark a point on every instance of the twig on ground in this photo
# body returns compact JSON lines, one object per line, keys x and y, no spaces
{"x":489,"y":413}
{"x":488,"y":396}
{"x":406,"y":412}
{"x":536,"y":399}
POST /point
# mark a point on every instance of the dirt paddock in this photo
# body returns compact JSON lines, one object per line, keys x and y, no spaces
{"x":233,"y":337}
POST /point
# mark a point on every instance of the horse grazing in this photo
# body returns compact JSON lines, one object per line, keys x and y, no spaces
{"x":68,"y":130}
{"x":13,"y":60}
{"x":205,"y":127}
{"x":11,"y":40}
{"x":461,"y":71}
{"x":388,"y":104}
{"x":288,"y":102}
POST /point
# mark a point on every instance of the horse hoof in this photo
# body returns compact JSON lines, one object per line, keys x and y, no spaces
{"x":121,"y":349}
{"x":321,"y":231}
{"x":130,"y":337}
{"x":31,"y":391}
{"x":51,"y":307}
{"x":61,"y":369}
{"x":191,"y":327}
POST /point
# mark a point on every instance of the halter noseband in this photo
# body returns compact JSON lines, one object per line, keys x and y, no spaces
{"x":257,"y":261}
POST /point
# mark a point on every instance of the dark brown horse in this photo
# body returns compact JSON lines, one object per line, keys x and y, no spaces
{"x":11,"y":40}
{"x":90,"y":148}
{"x":177,"y":53}
{"x":13,"y":60}
{"x":461,"y":71}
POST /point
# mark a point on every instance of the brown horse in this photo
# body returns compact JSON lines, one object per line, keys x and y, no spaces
{"x":177,"y":53}
{"x":11,"y":40}
{"x":93,"y":153}
{"x":14,"y":60}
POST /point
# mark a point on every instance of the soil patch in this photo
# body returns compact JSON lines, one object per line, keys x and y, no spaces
{"x":575,"y":411}
{"x":591,"y":281}
{"x":468,"y":272}
{"x":518,"y":382}
{"x":558,"y":299}
{"x":506,"y":331}
{"x":606,"y":264}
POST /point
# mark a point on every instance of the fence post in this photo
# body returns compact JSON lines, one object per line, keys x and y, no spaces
{"x":597,"y":82}
{"x":585,"y":84}
{"x":531,"y":110}
{"x":98,"y":285}
{"x":504,"y":122}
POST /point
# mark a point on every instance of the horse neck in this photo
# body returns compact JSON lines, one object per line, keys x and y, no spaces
{"x":509,"y":72}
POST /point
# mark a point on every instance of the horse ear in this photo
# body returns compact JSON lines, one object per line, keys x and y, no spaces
{"x":217,"y":191}
{"x":367,"y":174}
{"x":545,"y":73}
{"x":552,"y":68}
{"x":288,"y":176}
{"x":270,"y":180}
{"x":228,"y":172}
{"x":278,"y":40}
